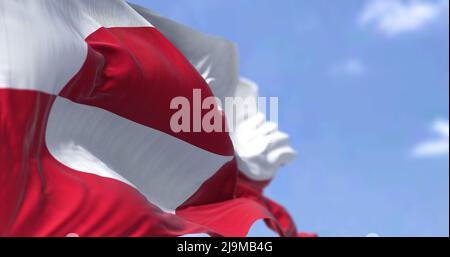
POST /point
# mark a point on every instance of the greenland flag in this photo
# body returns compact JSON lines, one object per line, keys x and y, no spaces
{"x":86,"y":146}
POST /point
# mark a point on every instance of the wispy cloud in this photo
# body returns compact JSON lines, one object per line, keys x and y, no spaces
{"x":393,"y":17}
{"x":350,"y":67}
{"x":437,"y":146}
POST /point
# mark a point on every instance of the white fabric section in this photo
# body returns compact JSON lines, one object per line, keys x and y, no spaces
{"x":89,"y":15}
{"x":39,"y":49}
{"x":261,"y":149}
{"x":42,"y":41}
{"x":215,"y":58}
{"x":165,"y":169}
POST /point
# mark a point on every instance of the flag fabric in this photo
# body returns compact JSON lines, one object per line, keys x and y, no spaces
{"x":86,"y":146}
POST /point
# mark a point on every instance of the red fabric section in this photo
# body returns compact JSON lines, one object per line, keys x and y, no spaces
{"x":135,"y":73}
{"x":220,"y":187}
{"x":22,"y":116}
{"x":304,"y":234}
{"x":282,"y":222}
{"x":232,"y":218}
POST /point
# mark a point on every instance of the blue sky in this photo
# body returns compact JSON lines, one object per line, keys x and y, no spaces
{"x":364,"y":94}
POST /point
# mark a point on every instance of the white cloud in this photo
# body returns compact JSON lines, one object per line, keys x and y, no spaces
{"x":349,"y":67}
{"x":393,"y":17}
{"x":437,"y":146}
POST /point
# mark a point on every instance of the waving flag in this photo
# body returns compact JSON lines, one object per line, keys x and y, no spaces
{"x":86,"y":146}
